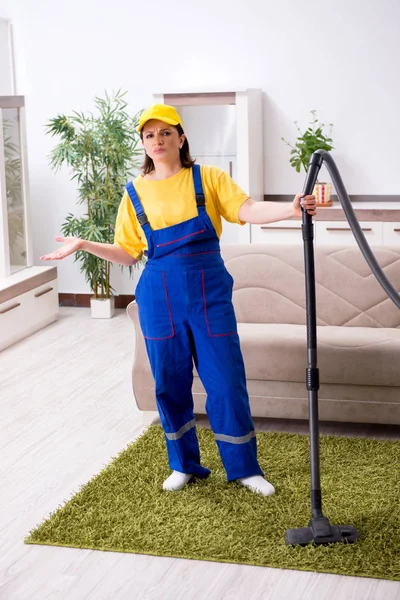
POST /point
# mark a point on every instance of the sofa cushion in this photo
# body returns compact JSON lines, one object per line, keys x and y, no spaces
{"x":270,"y":287}
{"x":346,"y":355}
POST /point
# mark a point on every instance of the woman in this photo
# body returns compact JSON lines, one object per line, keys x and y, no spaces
{"x":172,"y":212}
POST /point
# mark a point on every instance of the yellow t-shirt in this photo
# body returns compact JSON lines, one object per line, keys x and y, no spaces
{"x":170,"y":201}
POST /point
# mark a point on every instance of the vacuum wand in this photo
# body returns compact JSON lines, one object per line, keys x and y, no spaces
{"x":319,"y":530}
{"x":312,"y":373}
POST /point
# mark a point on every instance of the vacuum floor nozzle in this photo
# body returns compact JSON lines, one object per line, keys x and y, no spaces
{"x":319,"y":531}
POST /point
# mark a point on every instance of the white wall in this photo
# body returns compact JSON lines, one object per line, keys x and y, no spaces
{"x":340,"y":57}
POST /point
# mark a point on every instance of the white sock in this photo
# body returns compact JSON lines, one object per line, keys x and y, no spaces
{"x":176,"y":481}
{"x":258,"y":484}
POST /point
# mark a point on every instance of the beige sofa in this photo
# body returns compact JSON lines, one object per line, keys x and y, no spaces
{"x":358,"y":334}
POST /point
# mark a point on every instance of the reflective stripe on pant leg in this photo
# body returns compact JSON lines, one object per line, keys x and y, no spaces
{"x":232,"y":439}
{"x":178,"y":434}
{"x":221,"y":370}
{"x":172,"y":364}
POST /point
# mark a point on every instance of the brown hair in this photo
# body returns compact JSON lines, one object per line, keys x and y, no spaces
{"x":186,"y":160}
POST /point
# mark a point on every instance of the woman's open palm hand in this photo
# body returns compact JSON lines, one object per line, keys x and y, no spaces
{"x":70,"y":245}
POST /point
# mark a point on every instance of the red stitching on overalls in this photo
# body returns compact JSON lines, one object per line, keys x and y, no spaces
{"x":205,"y":313}
{"x":167,"y":337}
{"x":182,"y":238}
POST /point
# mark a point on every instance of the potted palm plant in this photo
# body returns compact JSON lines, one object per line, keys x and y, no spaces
{"x":314,"y":138}
{"x":102,"y":151}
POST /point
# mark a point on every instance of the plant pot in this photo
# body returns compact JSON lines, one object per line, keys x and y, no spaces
{"x":322,"y":193}
{"x":102,"y":308}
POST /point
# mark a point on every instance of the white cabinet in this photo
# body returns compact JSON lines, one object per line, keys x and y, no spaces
{"x":391,"y":233}
{"x":335,"y":233}
{"x":28,"y":294}
{"x":15,"y":227}
{"x":201,"y":124}
{"x":283,"y":232}
{"x":338,"y":233}
{"x":29,"y":311}
{"x":223,"y":129}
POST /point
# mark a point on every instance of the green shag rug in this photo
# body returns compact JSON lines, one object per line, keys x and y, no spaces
{"x":124,"y":508}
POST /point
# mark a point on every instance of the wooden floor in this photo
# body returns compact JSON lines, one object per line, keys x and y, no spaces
{"x":66,"y":408}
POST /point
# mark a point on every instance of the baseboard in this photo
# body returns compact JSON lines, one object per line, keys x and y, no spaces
{"x":83,"y":300}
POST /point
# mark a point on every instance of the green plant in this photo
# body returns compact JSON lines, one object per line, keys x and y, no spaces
{"x":102,"y":151}
{"x":308,"y":142}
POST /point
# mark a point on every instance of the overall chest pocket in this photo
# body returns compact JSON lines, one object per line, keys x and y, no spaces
{"x":219,"y":313}
{"x":155,"y":315}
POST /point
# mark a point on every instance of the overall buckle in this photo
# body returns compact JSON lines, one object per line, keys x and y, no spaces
{"x":142,"y":219}
{"x":200,"y":200}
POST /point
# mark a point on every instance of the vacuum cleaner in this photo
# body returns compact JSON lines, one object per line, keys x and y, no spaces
{"x":319,"y":530}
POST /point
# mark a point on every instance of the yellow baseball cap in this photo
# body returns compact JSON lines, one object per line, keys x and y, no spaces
{"x":161,"y":112}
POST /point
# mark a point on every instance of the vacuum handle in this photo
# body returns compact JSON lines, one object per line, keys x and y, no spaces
{"x":314,"y":166}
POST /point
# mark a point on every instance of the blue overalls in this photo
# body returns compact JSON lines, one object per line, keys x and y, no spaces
{"x":184,"y":298}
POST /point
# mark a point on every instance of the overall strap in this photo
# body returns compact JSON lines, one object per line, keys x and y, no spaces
{"x":137,"y":205}
{"x":198,"y":188}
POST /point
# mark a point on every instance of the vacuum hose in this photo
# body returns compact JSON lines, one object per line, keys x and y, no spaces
{"x":315,"y":164}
